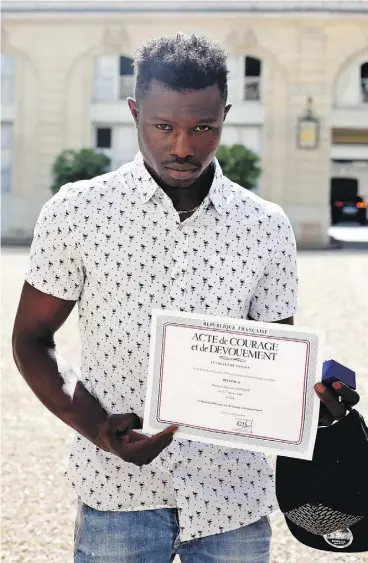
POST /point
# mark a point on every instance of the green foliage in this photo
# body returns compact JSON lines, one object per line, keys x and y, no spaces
{"x":71,"y":166}
{"x":240,"y":164}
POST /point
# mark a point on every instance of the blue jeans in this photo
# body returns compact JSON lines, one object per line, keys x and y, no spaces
{"x":152,"y":536}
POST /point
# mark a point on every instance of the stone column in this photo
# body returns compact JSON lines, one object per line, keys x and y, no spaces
{"x":306,"y":193}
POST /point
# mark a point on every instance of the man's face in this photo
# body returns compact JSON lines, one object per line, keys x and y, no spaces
{"x":179,"y":132}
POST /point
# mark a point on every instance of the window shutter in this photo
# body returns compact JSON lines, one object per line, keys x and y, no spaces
{"x":364,"y":82}
{"x":235,"y":78}
{"x":125,"y":144}
{"x":348,"y":88}
{"x":6,"y":156}
{"x":7,"y":79}
{"x":106,"y":78}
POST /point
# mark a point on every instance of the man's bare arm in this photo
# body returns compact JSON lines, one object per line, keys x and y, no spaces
{"x":38,"y":318}
{"x":53,"y":381}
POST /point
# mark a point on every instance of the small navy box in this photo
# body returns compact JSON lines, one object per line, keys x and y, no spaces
{"x":333,"y":371}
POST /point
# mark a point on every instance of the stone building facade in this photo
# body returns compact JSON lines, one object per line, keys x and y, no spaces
{"x":66,"y":74}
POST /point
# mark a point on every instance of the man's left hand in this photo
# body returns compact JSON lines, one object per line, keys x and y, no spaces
{"x":335,"y":402}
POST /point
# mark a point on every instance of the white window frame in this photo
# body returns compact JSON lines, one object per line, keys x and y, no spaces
{"x":126,"y":86}
{"x":126,"y":81}
{"x":7,"y":162}
{"x":255,"y":79}
{"x":348,"y":91}
{"x":7,"y":77}
{"x":363,"y":81}
{"x":107,"y":75}
{"x":235,"y":85}
{"x":116,"y":152}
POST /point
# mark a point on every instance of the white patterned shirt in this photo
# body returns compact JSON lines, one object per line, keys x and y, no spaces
{"x":117,"y":246}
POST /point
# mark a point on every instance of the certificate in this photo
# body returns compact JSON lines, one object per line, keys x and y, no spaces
{"x":234,"y":383}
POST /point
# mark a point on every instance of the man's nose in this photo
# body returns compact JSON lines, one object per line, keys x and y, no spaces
{"x":181,"y":146}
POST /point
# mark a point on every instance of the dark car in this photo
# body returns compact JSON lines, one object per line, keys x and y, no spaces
{"x":353,"y":210}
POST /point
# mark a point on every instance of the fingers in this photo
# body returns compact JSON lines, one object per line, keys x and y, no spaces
{"x":141,"y":450}
{"x":130,"y":437}
{"x":160,"y":441}
{"x":332,"y":403}
{"x":138,"y":437}
{"x":335,"y":402}
{"x":120,"y":423}
{"x":164,"y":437}
{"x":349,"y":397}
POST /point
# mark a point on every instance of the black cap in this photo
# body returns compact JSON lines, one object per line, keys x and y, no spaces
{"x":325,"y":501}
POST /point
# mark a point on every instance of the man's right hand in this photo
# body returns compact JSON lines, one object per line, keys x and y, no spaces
{"x":39,"y":316}
{"x":117,"y":436}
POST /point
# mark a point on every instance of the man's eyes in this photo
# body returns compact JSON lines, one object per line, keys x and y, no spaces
{"x":198,"y":129}
{"x":163,"y":127}
{"x":202,"y":128}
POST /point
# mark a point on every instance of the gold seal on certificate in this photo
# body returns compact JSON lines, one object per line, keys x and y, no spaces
{"x":236,"y":383}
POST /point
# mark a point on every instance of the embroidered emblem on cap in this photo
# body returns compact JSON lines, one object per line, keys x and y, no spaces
{"x":340,"y":539}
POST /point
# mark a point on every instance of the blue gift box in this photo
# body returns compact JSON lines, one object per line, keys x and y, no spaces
{"x":333,"y":371}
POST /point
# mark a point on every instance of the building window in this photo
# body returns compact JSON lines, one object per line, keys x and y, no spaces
{"x":252,"y":80}
{"x":104,"y":87}
{"x":103,"y":137}
{"x":364,"y":82}
{"x":126,"y":78}
{"x":118,"y":142}
{"x":113,"y":78}
{"x":6,"y":156}
{"x":7,"y":79}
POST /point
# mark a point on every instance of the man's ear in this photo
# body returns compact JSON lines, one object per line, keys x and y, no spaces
{"x":133,"y":106}
{"x":227,"y":109}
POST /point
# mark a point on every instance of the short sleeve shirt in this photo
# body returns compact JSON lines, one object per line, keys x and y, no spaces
{"x":116,"y":245}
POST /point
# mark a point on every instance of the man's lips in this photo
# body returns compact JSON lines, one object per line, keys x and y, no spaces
{"x":181,"y":173}
{"x":182,"y":168}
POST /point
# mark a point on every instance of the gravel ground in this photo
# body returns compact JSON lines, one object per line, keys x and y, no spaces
{"x":38,"y":506}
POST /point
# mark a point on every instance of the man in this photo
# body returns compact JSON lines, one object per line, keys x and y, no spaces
{"x":167,"y":230}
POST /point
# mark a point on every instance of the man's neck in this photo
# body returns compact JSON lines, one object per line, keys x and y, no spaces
{"x":191,"y":197}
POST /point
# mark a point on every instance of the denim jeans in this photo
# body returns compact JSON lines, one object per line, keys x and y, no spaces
{"x":152,"y":536}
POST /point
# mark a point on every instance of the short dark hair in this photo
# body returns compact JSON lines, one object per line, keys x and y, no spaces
{"x":181,"y":62}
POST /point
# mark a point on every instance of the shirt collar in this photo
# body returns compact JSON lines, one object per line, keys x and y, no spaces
{"x":219,"y":193}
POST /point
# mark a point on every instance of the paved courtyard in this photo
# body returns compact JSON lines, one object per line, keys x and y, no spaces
{"x":37,"y":505}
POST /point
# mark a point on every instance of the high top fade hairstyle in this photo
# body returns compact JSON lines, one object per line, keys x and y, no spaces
{"x":181,"y":62}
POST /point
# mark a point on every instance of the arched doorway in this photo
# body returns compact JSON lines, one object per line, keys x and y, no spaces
{"x":349,"y":135}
